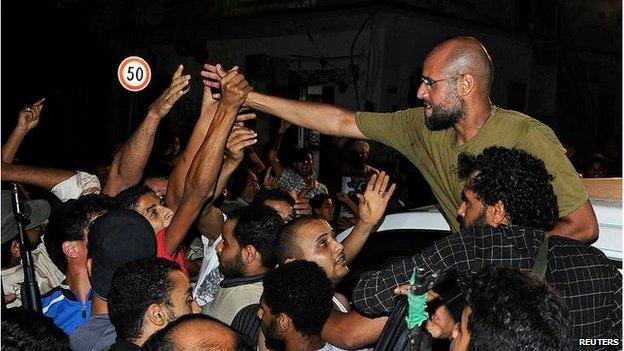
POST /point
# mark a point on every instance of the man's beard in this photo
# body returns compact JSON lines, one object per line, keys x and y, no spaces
{"x":480,"y":221}
{"x":232,"y":269}
{"x":272,"y":341}
{"x":446,"y":117}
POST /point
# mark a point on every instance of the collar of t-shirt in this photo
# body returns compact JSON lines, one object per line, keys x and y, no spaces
{"x":230,"y":283}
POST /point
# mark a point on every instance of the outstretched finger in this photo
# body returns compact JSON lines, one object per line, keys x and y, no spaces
{"x":180,"y":79}
{"x":174,"y":88}
{"x":384,"y":182}
{"x":209,"y":75}
{"x":220,"y":71}
{"x":244,"y":143}
{"x":177,"y":73}
{"x":371,"y":183}
{"x":39,"y":102}
{"x":390,"y":191}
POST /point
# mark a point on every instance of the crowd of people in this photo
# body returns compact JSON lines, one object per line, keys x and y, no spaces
{"x":223,"y":248}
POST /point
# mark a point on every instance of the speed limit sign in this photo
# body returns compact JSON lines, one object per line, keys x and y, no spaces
{"x":134,"y":73}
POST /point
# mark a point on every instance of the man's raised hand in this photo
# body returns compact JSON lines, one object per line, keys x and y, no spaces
{"x":234,"y":89}
{"x":178,"y":87}
{"x":28,"y":117}
{"x":212,"y":75}
{"x":374,"y":201}
{"x":239,"y":139}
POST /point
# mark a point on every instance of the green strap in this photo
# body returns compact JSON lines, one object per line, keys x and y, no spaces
{"x":416,"y":305}
{"x":541,"y":260}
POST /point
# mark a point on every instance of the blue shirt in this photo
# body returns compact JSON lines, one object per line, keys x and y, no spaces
{"x":65,"y":308}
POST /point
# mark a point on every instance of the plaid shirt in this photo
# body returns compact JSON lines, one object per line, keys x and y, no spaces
{"x":590,"y":285}
{"x":291,"y":180}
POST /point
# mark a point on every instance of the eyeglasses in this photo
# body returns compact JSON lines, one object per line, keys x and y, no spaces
{"x":428,"y":82}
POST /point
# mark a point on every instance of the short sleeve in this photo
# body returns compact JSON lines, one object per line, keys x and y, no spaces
{"x":398,"y":130}
{"x":543,"y":144}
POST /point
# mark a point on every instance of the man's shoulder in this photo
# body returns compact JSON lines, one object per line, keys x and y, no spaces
{"x":558,"y":244}
{"x":52,"y":294}
{"x":518,"y":120}
{"x":97,"y":334}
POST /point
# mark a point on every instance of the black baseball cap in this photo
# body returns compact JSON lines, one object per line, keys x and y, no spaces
{"x":116,"y":238}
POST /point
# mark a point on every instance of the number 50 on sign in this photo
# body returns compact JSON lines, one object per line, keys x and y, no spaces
{"x":134,"y":73}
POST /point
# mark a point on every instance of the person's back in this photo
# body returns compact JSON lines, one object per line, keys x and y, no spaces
{"x":97,"y":334}
{"x":590,"y":286}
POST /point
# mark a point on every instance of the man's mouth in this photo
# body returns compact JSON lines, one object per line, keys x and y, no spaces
{"x":341,"y":260}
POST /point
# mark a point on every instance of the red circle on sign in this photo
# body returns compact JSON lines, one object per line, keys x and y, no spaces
{"x":140,"y":62}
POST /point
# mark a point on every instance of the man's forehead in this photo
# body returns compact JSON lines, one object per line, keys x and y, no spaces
{"x":179,"y":279}
{"x":314,"y":229}
{"x":148,"y":198}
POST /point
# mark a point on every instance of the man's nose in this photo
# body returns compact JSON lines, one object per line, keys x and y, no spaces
{"x":422,"y":91}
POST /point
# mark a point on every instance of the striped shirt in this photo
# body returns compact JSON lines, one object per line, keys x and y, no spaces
{"x":65,"y":309}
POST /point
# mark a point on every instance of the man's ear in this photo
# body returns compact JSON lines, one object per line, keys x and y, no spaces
{"x":157,"y":315}
{"x":249,"y":254}
{"x":69,"y":249}
{"x":496,"y":214}
{"x":283,"y":323}
{"x":466,"y":84}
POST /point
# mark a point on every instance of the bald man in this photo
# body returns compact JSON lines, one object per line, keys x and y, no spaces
{"x":196,"y":332}
{"x":458,"y":116}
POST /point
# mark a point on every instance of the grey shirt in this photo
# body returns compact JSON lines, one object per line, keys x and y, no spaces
{"x":98,"y":334}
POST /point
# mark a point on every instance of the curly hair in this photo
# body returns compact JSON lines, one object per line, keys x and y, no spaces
{"x":69,"y":221}
{"x":275,"y":195}
{"x":135,"y":286}
{"x":258,"y":226}
{"x":308,"y":301}
{"x":517,"y":179}
{"x":129,"y":198}
{"x":23,"y":329}
{"x":505,"y":301}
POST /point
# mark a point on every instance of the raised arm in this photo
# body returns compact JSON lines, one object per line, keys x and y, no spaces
{"x":46,"y":178}
{"x":129,"y":163}
{"x":27,"y":119}
{"x":239,"y":139}
{"x":175,"y":189}
{"x":206,"y":166}
{"x":327,"y":119}
{"x":371,"y":208}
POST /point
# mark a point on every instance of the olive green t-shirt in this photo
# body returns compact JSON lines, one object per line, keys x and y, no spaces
{"x":435,"y":154}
